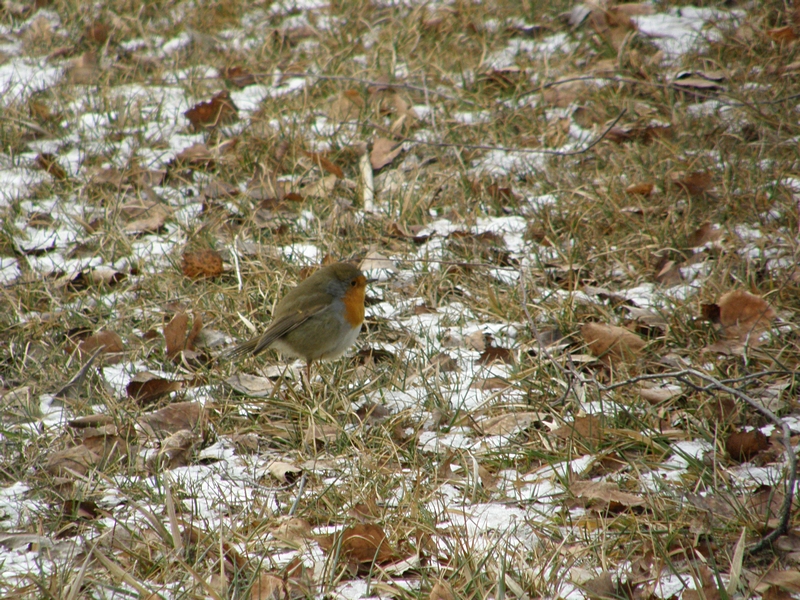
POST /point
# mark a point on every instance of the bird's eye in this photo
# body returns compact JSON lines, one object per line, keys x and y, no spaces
{"x":354,"y":283}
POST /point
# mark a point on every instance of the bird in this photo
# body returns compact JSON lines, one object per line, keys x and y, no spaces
{"x":319,"y":319}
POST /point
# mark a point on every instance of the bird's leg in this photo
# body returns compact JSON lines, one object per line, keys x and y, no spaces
{"x":308,"y":373}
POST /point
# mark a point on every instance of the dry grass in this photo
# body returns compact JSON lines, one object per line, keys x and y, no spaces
{"x":143,"y":528}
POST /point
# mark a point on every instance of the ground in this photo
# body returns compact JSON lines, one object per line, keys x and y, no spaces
{"x":577,"y":375}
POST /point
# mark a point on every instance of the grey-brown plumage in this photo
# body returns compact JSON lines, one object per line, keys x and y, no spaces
{"x":317,"y":320}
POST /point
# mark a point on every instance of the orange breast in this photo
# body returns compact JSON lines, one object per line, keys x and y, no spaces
{"x":354,"y":302}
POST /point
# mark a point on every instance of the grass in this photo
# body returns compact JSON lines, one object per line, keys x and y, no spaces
{"x":592,"y":233}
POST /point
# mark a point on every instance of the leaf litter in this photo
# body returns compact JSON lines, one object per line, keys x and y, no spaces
{"x":479,"y":442}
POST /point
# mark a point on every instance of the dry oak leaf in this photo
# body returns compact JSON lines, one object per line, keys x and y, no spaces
{"x":589,"y":428}
{"x":83,"y":70}
{"x":238,"y":77}
{"x":177,"y":448}
{"x":346,"y":106}
{"x":707,"y":232}
{"x":744,"y":445}
{"x":782,"y":35}
{"x":107,"y":340}
{"x":601,"y":587}
{"x":787,"y":580}
{"x":384,"y":152}
{"x":218,"y":111}
{"x":146,"y":387}
{"x":77,"y":459}
{"x":324,"y":163}
{"x":267,"y":587}
{"x":694,"y":184}
{"x":173,"y":418}
{"x":175,"y":334}
{"x":363,"y":544}
{"x":441,"y":590}
{"x":202,"y":264}
{"x":283,"y":471}
{"x":197,"y":155}
{"x":321,"y":188}
{"x":744,"y":316}
{"x":612,"y":344}
{"x":606,"y":493}
{"x":508,"y":424}
{"x":640,"y":189}
{"x":708,"y":589}
{"x":146,"y":217}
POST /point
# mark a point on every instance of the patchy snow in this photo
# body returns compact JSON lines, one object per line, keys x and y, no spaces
{"x":681,"y":30}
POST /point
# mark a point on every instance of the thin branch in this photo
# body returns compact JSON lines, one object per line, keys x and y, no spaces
{"x":791,"y":469}
{"x":583,"y":150}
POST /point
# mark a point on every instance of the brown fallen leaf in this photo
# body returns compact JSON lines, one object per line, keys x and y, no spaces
{"x":76,"y":459}
{"x":706,"y":588}
{"x":346,"y":106}
{"x":441,"y":590}
{"x":606,"y":493}
{"x":173,"y":418}
{"x":707,"y":232}
{"x":589,"y":428}
{"x":175,"y":334}
{"x":197,"y":156}
{"x":742,"y":446}
{"x":612,"y":344}
{"x":283,"y":471}
{"x":109,"y":341}
{"x":220,"y":110}
{"x":640,"y":189}
{"x":83,"y":70}
{"x":324,"y":163}
{"x":744,"y":316}
{"x":363,"y":544}
{"x":782,"y":35}
{"x":202,"y":264}
{"x":384,"y":152}
{"x":495,"y":354}
{"x":267,"y":587}
{"x":176,"y":449}
{"x":146,"y":387}
{"x":694,"y":184}
{"x":238,"y":76}
{"x":146,"y":216}
{"x":601,"y":587}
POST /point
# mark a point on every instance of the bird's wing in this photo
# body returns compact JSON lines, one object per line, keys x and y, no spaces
{"x":282,"y":325}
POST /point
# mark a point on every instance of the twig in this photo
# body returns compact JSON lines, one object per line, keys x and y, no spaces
{"x":384,"y":84}
{"x":300,"y":489}
{"x":791,"y":470}
{"x":583,"y":150}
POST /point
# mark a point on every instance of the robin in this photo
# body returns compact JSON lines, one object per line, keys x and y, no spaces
{"x":317,"y":320}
